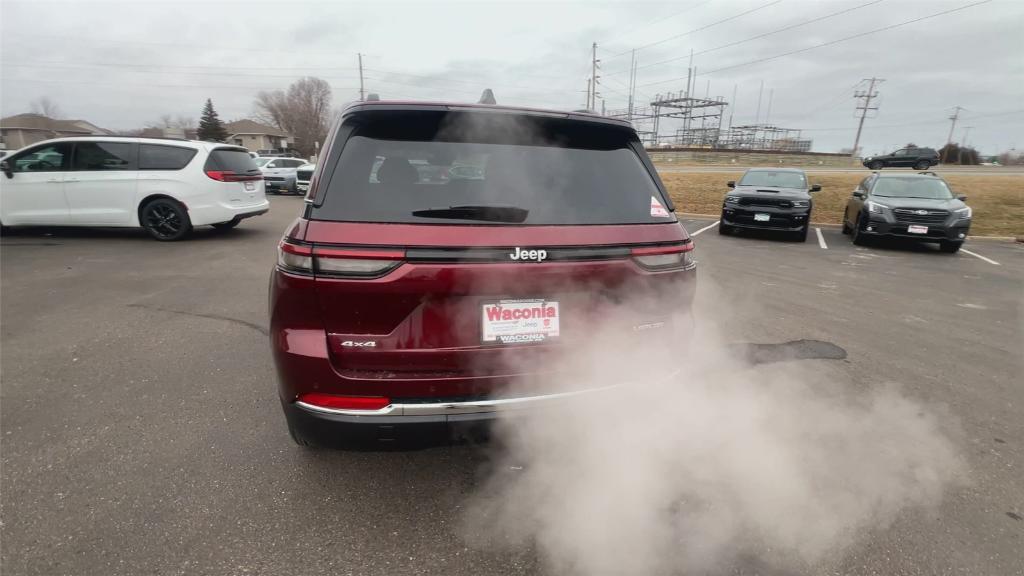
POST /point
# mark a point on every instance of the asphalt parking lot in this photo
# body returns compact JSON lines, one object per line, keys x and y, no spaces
{"x":141,"y":432}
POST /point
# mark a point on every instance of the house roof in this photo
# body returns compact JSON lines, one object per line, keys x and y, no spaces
{"x":29,"y":121}
{"x":252,"y":127}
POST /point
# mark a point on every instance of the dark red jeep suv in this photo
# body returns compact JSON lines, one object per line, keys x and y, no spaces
{"x":447,"y":254}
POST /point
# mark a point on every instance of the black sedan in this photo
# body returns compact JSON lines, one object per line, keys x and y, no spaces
{"x":775,"y":199}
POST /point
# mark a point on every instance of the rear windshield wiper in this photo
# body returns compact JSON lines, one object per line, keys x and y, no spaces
{"x":509,"y":214}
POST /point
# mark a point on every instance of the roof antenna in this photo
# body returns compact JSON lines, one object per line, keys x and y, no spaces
{"x":487,"y":97}
{"x":373,"y":97}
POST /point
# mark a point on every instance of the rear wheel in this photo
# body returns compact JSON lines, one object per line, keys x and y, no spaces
{"x":299,"y":439}
{"x":846,"y":226}
{"x":165,"y":219}
{"x":922,"y":165}
{"x":226,"y":225}
{"x":876,"y":165}
{"x":950,"y":247}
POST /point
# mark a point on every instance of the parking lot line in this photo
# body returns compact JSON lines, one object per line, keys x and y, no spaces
{"x":708,"y":227}
{"x":821,"y":239}
{"x":979,"y":256}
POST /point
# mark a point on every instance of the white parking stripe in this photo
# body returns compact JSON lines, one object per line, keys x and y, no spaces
{"x":821,"y":239}
{"x":979,"y":256}
{"x":705,"y":228}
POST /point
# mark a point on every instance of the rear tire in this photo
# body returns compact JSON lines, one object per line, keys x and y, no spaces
{"x":299,"y":439}
{"x":166,"y":220}
{"x":950,"y":247}
{"x":226,"y":225}
{"x":922,"y":165}
{"x":846,"y":226}
{"x":876,"y":165}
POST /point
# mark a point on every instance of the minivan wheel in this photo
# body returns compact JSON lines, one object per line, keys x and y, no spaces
{"x":950,"y":247}
{"x":922,"y":165}
{"x":226,"y":225}
{"x":876,"y":165}
{"x":165,"y":220}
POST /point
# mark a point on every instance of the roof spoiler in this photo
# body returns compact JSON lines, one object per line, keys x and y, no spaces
{"x":487,"y":97}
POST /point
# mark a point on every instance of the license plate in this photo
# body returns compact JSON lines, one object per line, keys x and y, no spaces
{"x":762,"y":217}
{"x":250,"y":185}
{"x":917,"y":229}
{"x":519,"y":321}
{"x":303,"y":187}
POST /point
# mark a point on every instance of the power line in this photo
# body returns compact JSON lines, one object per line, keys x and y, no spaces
{"x":759,"y":36}
{"x":658,"y":19}
{"x":695,"y":30}
{"x":830,"y":43}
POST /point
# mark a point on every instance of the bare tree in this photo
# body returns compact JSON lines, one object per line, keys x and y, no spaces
{"x":167,"y":121}
{"x":47,"y":107}
{"x":303,"y":111}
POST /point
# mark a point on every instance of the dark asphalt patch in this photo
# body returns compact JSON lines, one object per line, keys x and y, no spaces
{"x":787,"y":351}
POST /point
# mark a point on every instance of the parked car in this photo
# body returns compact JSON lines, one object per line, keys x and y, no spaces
{"x":777,"y":199}
{"x":279,"y":173}
{"x":918,"y":206}
{"x":916,"y":158}
{"x":303,"y":174}
{"x":402,"y":306}
{"x":166,"y":186}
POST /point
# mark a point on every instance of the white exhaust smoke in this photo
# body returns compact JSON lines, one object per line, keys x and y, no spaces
{"x":728,"y":463}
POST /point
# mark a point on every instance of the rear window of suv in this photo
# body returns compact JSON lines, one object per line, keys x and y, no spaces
{"x":236,"y":160}
{"x":493,"y":168}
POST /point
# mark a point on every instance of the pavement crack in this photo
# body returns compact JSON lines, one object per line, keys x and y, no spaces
{"x":256,"y":327}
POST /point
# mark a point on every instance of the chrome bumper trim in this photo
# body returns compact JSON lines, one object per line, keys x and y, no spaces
{"x":447,"y":408}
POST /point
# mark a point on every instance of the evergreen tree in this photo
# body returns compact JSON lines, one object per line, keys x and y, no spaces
{"x":210,"y":127}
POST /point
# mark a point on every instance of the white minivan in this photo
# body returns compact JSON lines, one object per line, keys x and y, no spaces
{"x":166,"y":186}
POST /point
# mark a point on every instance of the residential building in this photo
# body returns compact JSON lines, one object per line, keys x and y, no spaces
{"x":22,"y":130}
{"x":256,"y":136}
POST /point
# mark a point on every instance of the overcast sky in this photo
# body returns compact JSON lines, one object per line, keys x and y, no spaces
{"x":124,"y":64}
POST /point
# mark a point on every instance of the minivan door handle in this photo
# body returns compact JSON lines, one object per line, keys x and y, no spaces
{"x":53,"y":180}
{"x":71,"y":179}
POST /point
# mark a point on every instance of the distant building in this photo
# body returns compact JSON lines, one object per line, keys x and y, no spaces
{"x":256,"y":136}
{"x":185,"y":133}
{"x":22,"y":130}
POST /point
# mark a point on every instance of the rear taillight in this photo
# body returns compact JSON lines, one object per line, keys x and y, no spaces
{"x":664,"y":257}
{"x":230,"y":176}
{"x":339,"y":402}
{"x":337,"y":262}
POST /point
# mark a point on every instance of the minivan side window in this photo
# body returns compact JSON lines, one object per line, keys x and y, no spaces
{"x":49,"y":158}
{"x":100,"y":156}
{"x":162,"y":157}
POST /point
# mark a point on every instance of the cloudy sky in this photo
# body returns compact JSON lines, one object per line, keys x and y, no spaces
{"x":125,"y":64}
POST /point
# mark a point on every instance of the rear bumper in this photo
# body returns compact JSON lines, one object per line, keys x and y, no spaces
{"x":418,"y":423}
{"x":220,"y":212}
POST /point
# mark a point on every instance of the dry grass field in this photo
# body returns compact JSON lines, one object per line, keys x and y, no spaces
{"x":998,"y":201}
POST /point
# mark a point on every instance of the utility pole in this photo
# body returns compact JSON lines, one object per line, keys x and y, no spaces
{"x":760,"y":92}
{"x":732,"y":105}
{"x":949,"y":139}
{"x":586,"y":105}
{"x":632,"y":85}
{"x":963,"y":144}
{"x":867,"y":97}
{"x":592,"y":102}
{"x":362,"y":92}
{"x":768,"y":114}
